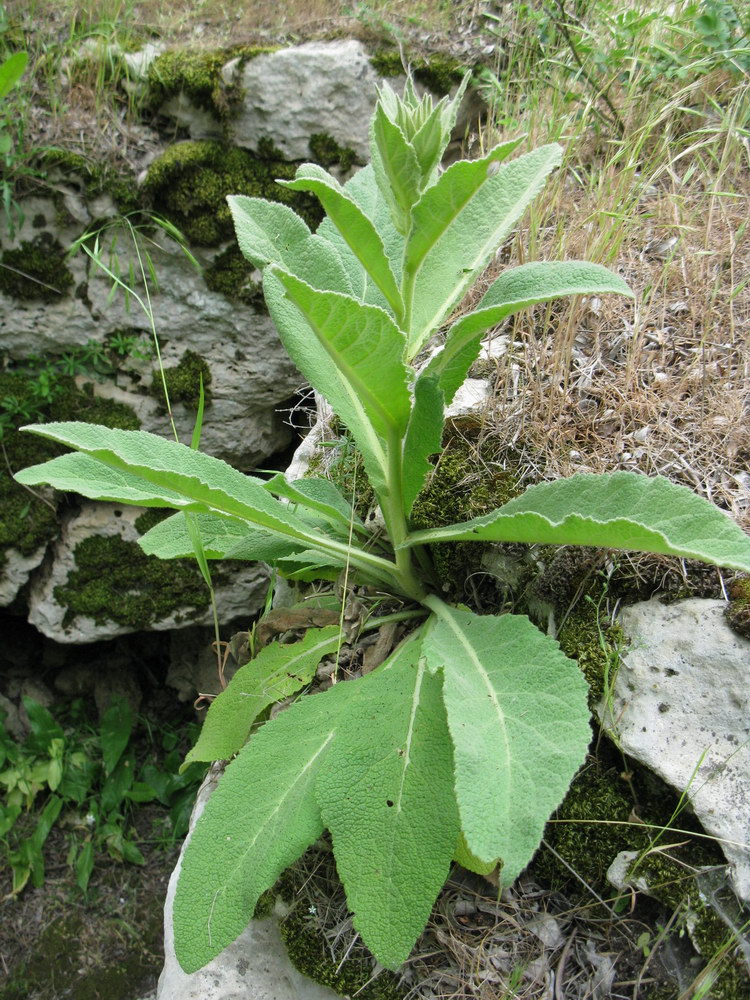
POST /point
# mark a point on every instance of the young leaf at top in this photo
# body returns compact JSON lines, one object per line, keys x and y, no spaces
{"x":519,"y":720}
{"x":396,"y":168}
{"x":623,"y":510}
{"x":459,"y":223}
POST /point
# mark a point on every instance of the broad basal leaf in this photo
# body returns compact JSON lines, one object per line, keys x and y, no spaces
{"x":385,"y":791}
{"x":222,"y":538}
{"x":259,"y":820}
{"x":515,"y":289}
{"x":277,"y":672}
{"x":459,"y":223}
{"x":423,"y":437}
{"x":356,"y":228}
{"x":519,"y":721}
{"x":623,"y":510}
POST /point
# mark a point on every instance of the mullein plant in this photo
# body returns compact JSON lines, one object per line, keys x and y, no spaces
{"x":460,"y":745}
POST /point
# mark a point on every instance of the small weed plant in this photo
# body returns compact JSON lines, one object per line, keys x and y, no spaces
{"x":88,"y":780}
{"x":460,"y":744}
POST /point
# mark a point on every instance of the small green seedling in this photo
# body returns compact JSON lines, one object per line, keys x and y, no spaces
{"x":461,"y":744}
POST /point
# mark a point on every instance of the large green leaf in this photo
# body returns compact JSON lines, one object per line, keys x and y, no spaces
{"x":11,"y":72}
{"x":459,"y":223}
{"x":222,"y":538}
{"x":357,"y":229}
{"x":623,"y":510}
{"x":318,"y":495}
{"x":385,"y":791}
{"x":519,"y":721}
{"x":277,"y":672}
{"x":142,"y":468}
{"x":515,"y":289}
{"x":364,"y":344}
{"x":423,"y":437}
{"x":270,"y":233}
{"x":259,"y":820}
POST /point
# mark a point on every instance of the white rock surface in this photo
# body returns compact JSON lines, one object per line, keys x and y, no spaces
{"x":239,"y":597}
{"x":318,"y":87}
{"x":681,"y":706}
{"x":255,"y":967}
{"x":15,"y":569}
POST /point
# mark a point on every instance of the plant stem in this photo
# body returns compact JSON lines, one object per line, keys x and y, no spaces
{"x":392,"y":505}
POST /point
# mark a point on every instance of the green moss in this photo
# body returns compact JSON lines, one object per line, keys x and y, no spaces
{"x":190,"y":182}
{"x":326,"y":151}
{"x":738,"y":611}
{"x":35,"y":270}
{"x":183,"y":381}
{"x":26,"y":522}
{"x":150,"y":518}
{"x":586,"y":831}
{"x":595,"y":644}
{"x":115,"y":581}
{"x":467,"y":481}
{"x":439,"y":73}
{"x":230,"y":274}
{"x":95,"y":178}
{"x":196,"y":73}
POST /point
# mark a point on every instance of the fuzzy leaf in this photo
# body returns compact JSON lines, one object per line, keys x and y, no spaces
{"x":277,"y":672}
{"x":623,"y":510}
{"x":319,"y":495}
{"x":138,"y":467}
{"x":515,"y":289}
{"x":270,"y":233}
{"x":357,"y":229}
{"x":423,"y":437}
{"x":258,"y":821}
{"x":459,"y":223}
{"x":519,"y":721}
{"x":396,"y":168}
{"x":386,"y":794}
{"x":222,"y":538}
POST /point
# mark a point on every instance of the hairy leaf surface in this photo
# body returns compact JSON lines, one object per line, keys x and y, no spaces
{"x":318,"y":495}
{"x":459,"y":223}
{"x":518,"y":716}
{"x":623,"y":510}
{"x":277,"y":672}
{"x":356,"y":228}
{"x":423,"y":437}
{"x":259,"y":820}
{"x":515,"y":289}
{"x":222,"y":538}
{"x":385,"y":792}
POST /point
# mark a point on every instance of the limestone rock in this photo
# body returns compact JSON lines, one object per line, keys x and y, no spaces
{"x":15,"y":570}
{"x":255,"y":967}
{"x":311,"y":89}
{"x":239,"y":592}
{"x":681,"y":706}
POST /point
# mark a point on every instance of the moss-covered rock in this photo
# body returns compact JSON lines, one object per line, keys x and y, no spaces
{"x":738,"y":610}
{"x":115,"y":581}
{"x":96,"y":178}
{"x":595,"y":643}
{"x":326,"y":151}
{"x":35,"y":270}
{"x":196,"y":73}
{"x":183,"y":381}
{"x":439,"y":73}
{"x":190,"y":182}
{"x":231,"y":275}
{"x":26,"y":521}
{"x":467,"y":481}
